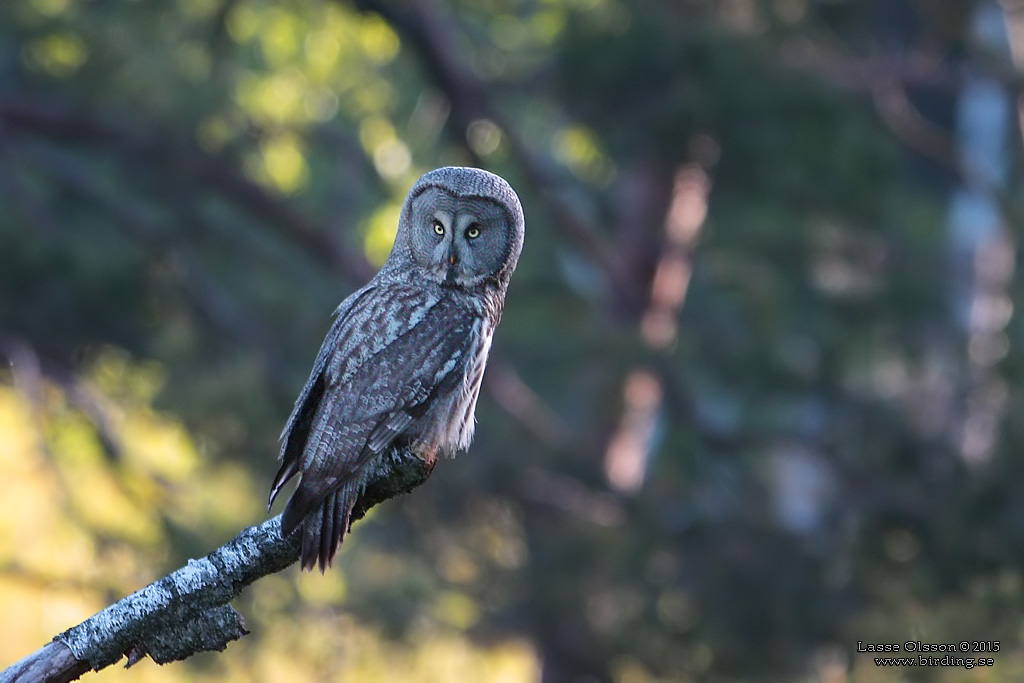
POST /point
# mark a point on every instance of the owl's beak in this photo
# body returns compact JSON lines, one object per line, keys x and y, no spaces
{"x":453,"y":260}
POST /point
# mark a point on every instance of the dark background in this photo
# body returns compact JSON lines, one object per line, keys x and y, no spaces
{"x":756,"y":392}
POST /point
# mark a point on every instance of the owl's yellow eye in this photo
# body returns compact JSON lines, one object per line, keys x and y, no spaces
{"x":473,"y":231}
{"x":438,"y":228}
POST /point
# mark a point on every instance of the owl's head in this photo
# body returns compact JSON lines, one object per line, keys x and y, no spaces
{"x":460,"y":227}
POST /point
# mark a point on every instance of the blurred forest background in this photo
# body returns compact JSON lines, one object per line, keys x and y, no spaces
{"x":755,"y":395}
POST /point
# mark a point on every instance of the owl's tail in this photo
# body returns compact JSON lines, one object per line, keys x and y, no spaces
{"x":324,"y":527}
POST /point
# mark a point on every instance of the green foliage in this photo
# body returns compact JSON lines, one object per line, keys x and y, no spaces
{"x":187,"y":189}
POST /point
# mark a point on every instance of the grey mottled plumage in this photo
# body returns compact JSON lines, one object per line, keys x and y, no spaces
{"x":403,"y":362}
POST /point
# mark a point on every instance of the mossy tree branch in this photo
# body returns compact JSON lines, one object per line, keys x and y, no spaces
{"x":187,"y":611}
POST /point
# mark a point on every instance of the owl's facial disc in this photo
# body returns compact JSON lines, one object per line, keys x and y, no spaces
{"x":456,"y":241}
{"x":453,"y":261}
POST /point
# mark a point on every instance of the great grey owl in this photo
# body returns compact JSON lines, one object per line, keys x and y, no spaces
{"x":403,"y":361}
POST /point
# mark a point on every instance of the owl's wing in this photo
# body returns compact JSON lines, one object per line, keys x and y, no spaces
{"x":296,"y":430}
{"x":384,"y":360}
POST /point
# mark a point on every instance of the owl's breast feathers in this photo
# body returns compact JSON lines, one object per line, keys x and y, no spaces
{"x":400,"y":365}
